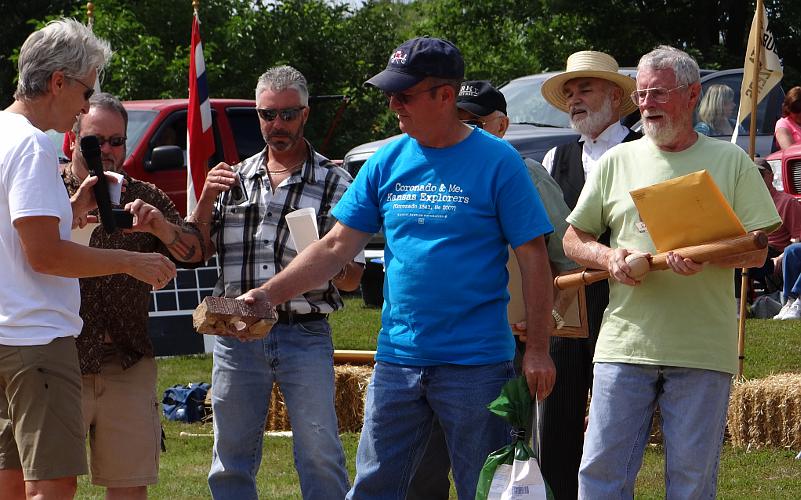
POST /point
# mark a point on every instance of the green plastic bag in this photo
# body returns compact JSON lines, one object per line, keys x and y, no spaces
{"x":513,"y":472}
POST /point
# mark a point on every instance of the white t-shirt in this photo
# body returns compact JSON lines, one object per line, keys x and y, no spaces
{"x":35,"y":308}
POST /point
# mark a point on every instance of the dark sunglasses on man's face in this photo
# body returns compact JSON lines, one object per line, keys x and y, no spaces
{"x":475,"y":123}
{"x":114,"y":142}
{"x":287,"y":114}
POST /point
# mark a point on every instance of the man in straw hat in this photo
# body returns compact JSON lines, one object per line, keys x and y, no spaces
{"x":451,"y":198}
{"x":670,"y":338}
{"x":595,"y":96}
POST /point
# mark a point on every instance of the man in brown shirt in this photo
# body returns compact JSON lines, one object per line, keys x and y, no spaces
{"x":116,"y":355}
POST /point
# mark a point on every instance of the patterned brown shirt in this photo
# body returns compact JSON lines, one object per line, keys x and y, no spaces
{"x":117,"y":305}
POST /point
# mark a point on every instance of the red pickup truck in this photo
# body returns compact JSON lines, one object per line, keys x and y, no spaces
{"x":157,"y":140}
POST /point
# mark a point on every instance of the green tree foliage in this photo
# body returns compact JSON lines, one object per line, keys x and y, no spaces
{"x":338,"y":47}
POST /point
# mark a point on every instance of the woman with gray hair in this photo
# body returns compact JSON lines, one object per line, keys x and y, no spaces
{"x":42,"y":438}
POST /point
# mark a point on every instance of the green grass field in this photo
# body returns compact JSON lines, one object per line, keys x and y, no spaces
{"x":771,"y":347}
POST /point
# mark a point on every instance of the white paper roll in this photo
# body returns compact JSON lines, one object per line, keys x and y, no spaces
{"x":302,"y":227}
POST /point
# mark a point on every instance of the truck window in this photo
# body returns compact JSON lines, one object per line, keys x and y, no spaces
{"x":172,"y":132}
{"x":720,"y":99}
{"x":138,"y":123}
{"x":245,"y":127}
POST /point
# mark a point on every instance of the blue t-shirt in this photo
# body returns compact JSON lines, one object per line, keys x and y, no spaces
{"x":448,"y":216}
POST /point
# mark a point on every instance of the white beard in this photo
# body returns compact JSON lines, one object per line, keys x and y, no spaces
{"x":661,"y":134}
{"x":591,"y":124}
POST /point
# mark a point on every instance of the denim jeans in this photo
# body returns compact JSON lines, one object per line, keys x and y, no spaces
{"x":693,"y":404}
{"x":791,"y":270}
{"x":299,"y":357}
{"x":401,"y":404}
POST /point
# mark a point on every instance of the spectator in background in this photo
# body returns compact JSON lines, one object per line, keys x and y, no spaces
{"x":716,"y":110}
{"x":120,"y":408}
{"x":788,"y":127}
{"x":42,"y":438}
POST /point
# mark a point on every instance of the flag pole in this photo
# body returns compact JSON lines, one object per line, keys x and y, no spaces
{"x":90,"y":14}
{"x":744,"y":282}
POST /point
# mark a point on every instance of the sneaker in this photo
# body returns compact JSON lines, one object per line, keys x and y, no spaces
{"x":785,"y":310}
{"x":794,"y":312}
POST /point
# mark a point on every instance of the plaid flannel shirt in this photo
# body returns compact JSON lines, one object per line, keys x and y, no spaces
{"x":251,"y":233}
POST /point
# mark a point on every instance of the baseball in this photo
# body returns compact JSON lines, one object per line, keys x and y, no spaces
{"x":639,"y":264}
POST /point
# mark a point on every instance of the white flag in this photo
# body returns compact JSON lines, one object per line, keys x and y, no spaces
{"x":770,"y":67}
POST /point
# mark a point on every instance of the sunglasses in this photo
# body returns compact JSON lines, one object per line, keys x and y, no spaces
{"x":287,"y":114}
{"x":479,"y":123}
{"x":114,"y":142}
{"x":88,"y":93}
{"x":405,"y":97}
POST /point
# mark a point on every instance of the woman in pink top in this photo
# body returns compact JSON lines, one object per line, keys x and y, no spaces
{"x":788,"y":127}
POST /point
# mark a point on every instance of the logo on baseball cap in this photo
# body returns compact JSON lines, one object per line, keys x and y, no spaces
{"x":480,"y":98}
{"x":417,"y":59}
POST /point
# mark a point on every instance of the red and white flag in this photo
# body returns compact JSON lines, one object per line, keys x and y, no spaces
{"x":199,"y":136}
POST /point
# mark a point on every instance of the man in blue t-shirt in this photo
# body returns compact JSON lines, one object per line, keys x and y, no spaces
{"x":451,"y":199}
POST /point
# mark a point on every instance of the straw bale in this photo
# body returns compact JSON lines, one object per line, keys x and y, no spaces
{"x":766,"y":412}
{"x":350,"y":390}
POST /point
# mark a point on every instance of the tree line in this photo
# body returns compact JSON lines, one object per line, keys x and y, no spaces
{"x":337,"y":46}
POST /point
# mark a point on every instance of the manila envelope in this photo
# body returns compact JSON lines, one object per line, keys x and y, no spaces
{"x":686,"y":211}
{"x":575,"y":316}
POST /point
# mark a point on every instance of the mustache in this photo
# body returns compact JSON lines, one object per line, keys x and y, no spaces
{"x":578,"y":109}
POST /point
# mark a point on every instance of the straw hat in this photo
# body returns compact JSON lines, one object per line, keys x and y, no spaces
{"x":589,"y":64}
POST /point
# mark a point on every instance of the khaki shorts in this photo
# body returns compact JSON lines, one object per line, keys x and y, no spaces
{"x":40,"y":405}
{"x":121,"y":416}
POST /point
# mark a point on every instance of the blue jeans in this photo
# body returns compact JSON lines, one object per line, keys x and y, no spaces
{"x":693,"y":406}
{"x":299,"y":357}
{"x":400,"y":408}
{"x":791,"y":270}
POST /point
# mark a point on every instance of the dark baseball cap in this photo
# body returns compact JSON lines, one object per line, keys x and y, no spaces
{"x":480,"y":98}
{"x":417,"y":59}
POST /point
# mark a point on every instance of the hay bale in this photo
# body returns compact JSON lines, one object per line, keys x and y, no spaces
{"x":766,"y":412}
{"x":350,"y":383}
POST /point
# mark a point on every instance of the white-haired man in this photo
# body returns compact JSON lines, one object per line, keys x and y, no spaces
{"x":669,"y":339}
{"x":595,"y":96}
{"x":41,"y":428}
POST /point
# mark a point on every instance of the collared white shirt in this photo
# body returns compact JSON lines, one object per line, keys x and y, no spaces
{"x":592,"y":150}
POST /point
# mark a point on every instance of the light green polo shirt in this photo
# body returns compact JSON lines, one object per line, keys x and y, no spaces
{"x":669,"y":319}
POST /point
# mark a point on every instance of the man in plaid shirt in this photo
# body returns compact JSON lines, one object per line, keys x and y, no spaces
{"x":242,"y":213}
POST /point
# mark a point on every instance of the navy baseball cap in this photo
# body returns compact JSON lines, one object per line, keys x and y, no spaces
{"x":417,"y":59}
{"x":480,"y":98}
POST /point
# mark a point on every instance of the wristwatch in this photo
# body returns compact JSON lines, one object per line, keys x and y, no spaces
{"x":558,"y":319}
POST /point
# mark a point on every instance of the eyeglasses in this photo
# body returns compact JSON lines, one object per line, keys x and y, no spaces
{"x":660,"y":94}
{"x":477,"y":122}
{"x":88,"y":93}
{"x":287,"y":114}
{"x":114,"y":142}
{"x":405,"y":97}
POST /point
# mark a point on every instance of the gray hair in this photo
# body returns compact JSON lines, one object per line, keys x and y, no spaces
{"x":280,"y":78}
{"x":107,"y":102}
{"x":666,"y":57}
{"x":62,"y":45}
